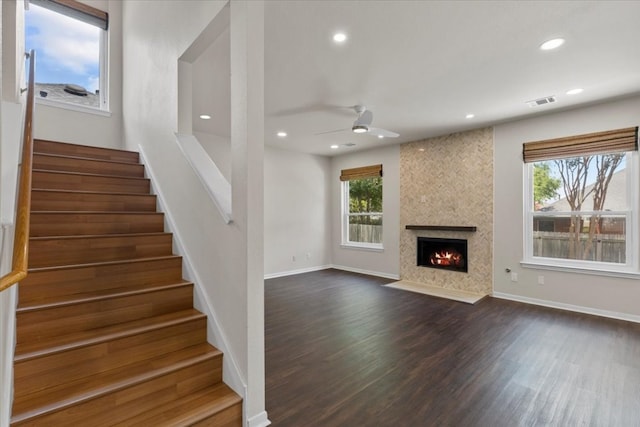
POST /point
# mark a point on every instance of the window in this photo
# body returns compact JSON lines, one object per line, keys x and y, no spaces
{"x":70,"y":41}
{"x":362,"y":207}
{"x":581,"y":205}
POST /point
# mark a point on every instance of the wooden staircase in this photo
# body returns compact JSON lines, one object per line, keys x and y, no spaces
{"x":106,"y":329}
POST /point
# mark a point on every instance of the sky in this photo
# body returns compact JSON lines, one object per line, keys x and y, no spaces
{"x":67,"y":50}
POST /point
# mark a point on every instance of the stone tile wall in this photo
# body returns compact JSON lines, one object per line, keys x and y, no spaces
{"x":450,"y":182}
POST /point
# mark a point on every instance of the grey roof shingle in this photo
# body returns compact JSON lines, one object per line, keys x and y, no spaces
{"x":56,"y":92}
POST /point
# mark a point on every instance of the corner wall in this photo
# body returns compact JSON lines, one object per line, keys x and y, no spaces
{"x":448,"y":180}
{"x":297,"y":207}
{"x":610,"y":296}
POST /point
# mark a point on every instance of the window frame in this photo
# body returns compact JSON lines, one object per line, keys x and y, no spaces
{"x":629,"y":268}
{"x":103,"y":108}
{"x":346,"y":214}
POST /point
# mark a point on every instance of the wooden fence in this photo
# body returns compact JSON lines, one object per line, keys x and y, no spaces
{"x":605,"y":247}
{"x":365,"y":233}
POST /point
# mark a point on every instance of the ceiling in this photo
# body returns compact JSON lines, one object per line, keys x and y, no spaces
{"x":422,"y":66}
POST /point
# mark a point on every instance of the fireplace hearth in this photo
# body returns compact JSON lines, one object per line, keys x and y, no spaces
{"x":445,"y":254}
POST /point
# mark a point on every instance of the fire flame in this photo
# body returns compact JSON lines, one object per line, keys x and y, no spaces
{"x":446,"y":258}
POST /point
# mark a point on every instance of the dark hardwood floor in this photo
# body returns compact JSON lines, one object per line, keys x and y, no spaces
{"x":341,"y":350}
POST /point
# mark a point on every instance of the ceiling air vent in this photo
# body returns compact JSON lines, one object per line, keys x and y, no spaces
{"x":541,"y":101}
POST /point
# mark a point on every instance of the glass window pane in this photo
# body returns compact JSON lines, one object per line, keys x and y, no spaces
{"x":365,"y":228}
{"x":68,"y":52}
{"x":365,"y":195}
{"x":363,"y":211}
{"x":588,"y":183}
{"x":600,"y":238}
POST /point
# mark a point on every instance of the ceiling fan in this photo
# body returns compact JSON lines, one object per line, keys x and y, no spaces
{"x":363,"y":124}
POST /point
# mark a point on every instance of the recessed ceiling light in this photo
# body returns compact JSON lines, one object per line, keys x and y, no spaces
{"x":334,"y":147}
{"x":575,"y":91}
{"x":339,"y":37}
{"x":469,"y":116}
{"x":552,"y":44}
{"x":205,"y":116}
{"x":281,"y":134}
{"x":380,"y":136}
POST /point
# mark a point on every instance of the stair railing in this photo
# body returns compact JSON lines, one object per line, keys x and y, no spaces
{"x":20,"y":261}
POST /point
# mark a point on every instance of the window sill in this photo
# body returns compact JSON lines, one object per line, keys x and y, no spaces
{"x":363,"y":247}
{"x":73,"y":107}
{"x":594,"y":271}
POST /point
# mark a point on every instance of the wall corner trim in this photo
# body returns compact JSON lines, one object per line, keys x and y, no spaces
{"x":294,"y":272}
{"x":368,"y":272}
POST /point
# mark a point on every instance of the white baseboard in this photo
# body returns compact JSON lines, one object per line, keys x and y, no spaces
{"x":259,"y":420}
{"x":369,"y":272}
{"x":294,"y":272}
{"x":569,"y":307}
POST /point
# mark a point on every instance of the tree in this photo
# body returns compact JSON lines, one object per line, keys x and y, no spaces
{"x":365,"y":195}
{"x":545,"y":187}
{"x":573,"y":174}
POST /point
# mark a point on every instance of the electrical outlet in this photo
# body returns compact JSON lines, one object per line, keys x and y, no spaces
{"x":540,"y":280}
{"x":514,"y":277}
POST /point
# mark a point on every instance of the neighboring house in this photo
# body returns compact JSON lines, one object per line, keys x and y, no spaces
{"x":67,"y":93}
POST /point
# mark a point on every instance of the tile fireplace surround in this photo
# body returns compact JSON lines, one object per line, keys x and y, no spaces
{"x":449,"y":183}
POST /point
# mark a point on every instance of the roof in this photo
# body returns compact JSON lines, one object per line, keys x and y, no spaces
{"x":56,"y":92}
{"x":616,"y":199}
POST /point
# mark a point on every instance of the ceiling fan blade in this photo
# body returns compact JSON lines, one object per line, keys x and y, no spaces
{"x":383,"y":132}
{"x":333,"y":131}
{"x":364,"y":119}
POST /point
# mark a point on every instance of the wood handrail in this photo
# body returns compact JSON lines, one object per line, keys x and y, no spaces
{"x":20,"y":261}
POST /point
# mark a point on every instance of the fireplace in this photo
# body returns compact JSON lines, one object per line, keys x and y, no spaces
{"x":445,"y":254}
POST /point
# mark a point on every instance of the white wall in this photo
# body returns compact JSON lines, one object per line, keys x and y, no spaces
{"x":228,"y":259}
{"x":297,"y":212}
{"x":598,"y":294}
{"x":59,"y":124}
{"x":387,"y":262}
{"x":219,"y":149}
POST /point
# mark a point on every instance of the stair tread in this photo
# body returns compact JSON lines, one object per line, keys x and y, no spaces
{"x":98,"y":236}
{"x":188,"y":409}
{"x":66,"y":300}
{"x":76,"y":212}
{"x":33,"y":349}
{"x":133,"y":178}
{"x":113,"y":193}
{"x":101,"y":263}
{"x":66,"y":156}
{"x":68,"y":394}
{"x":44,"y":146}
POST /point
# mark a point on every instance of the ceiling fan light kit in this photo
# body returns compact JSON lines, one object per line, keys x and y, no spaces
{"x":363,"y":125}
